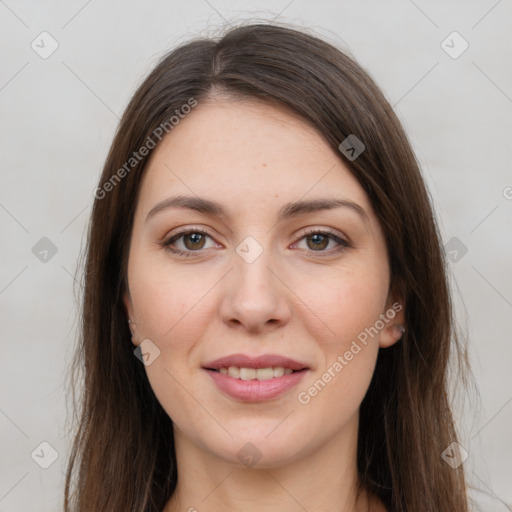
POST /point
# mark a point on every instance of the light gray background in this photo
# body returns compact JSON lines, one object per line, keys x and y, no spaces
{"x":58,"y":117}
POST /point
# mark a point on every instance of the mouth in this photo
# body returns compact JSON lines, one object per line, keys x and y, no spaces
{"x":244,"y":373}
{"x":255,"y":379}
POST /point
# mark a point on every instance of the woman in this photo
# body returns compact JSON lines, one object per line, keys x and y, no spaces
{"x":262,"y":234}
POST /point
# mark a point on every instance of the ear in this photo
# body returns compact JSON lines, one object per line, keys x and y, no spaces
{"x":395,"y":326}
{"x":130,"y":317}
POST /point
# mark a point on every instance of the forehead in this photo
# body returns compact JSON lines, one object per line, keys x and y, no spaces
{"x":247,"y":155}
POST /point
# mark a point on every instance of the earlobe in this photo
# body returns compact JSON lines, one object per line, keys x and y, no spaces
{"x":395,"y":328}
{"x":133,"y":330}
{"x":391,"y":334}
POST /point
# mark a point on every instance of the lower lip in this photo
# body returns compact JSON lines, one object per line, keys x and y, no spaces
{"x":256,"y":390}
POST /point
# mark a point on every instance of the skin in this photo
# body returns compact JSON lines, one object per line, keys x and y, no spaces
{"x":291,"y":301}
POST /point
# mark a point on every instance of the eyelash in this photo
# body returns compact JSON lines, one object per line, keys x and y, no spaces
{"x":342,"y":244}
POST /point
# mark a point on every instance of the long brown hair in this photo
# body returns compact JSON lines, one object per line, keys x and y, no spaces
{"x":123,"y":453}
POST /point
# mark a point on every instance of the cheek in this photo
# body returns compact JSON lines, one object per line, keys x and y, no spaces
{"x":166,"y":301}
{"x":358,"y":304}
{"x":347,"y":306}
{"x":170,"y":308}
{"x":348,"y":309}
{"x":340,"y":389}
{"x":345,"y":303}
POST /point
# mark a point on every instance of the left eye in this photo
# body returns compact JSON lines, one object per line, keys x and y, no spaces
{"x":319,"y":240}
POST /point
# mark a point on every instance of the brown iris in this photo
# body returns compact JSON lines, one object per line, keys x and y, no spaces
{"x":319,"y":243}
{"x":197,"y":240}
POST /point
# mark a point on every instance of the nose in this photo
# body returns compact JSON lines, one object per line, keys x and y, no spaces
{"x":255,"y":299}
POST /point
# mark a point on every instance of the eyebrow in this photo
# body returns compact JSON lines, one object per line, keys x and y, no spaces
{"x":288,"y":211}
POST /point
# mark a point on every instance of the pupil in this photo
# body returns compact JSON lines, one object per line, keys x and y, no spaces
{"x":318,"y":239}
{"x":195,"y":238}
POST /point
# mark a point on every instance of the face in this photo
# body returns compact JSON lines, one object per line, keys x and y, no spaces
{"x":262,"y":321}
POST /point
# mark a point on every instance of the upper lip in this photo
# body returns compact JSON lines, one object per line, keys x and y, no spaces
{"x":263,"y":361}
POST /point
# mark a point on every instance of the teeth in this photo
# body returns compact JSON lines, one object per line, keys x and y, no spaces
{"x":234,"y":372}
{"x":247,"y":373}
{"x":278,"y":371}
{"x":253,"y":373}
{"x":264,"y":373}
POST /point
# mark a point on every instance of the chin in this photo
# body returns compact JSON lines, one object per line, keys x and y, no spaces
{"x":259,"y":452}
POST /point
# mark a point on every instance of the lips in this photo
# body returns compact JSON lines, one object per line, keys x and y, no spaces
{"x":249,"y":379}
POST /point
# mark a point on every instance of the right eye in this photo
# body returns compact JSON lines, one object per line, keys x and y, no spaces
{"x":193,"y":241}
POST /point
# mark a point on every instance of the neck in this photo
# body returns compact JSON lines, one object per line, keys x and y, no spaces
{"x":324,"y":480}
